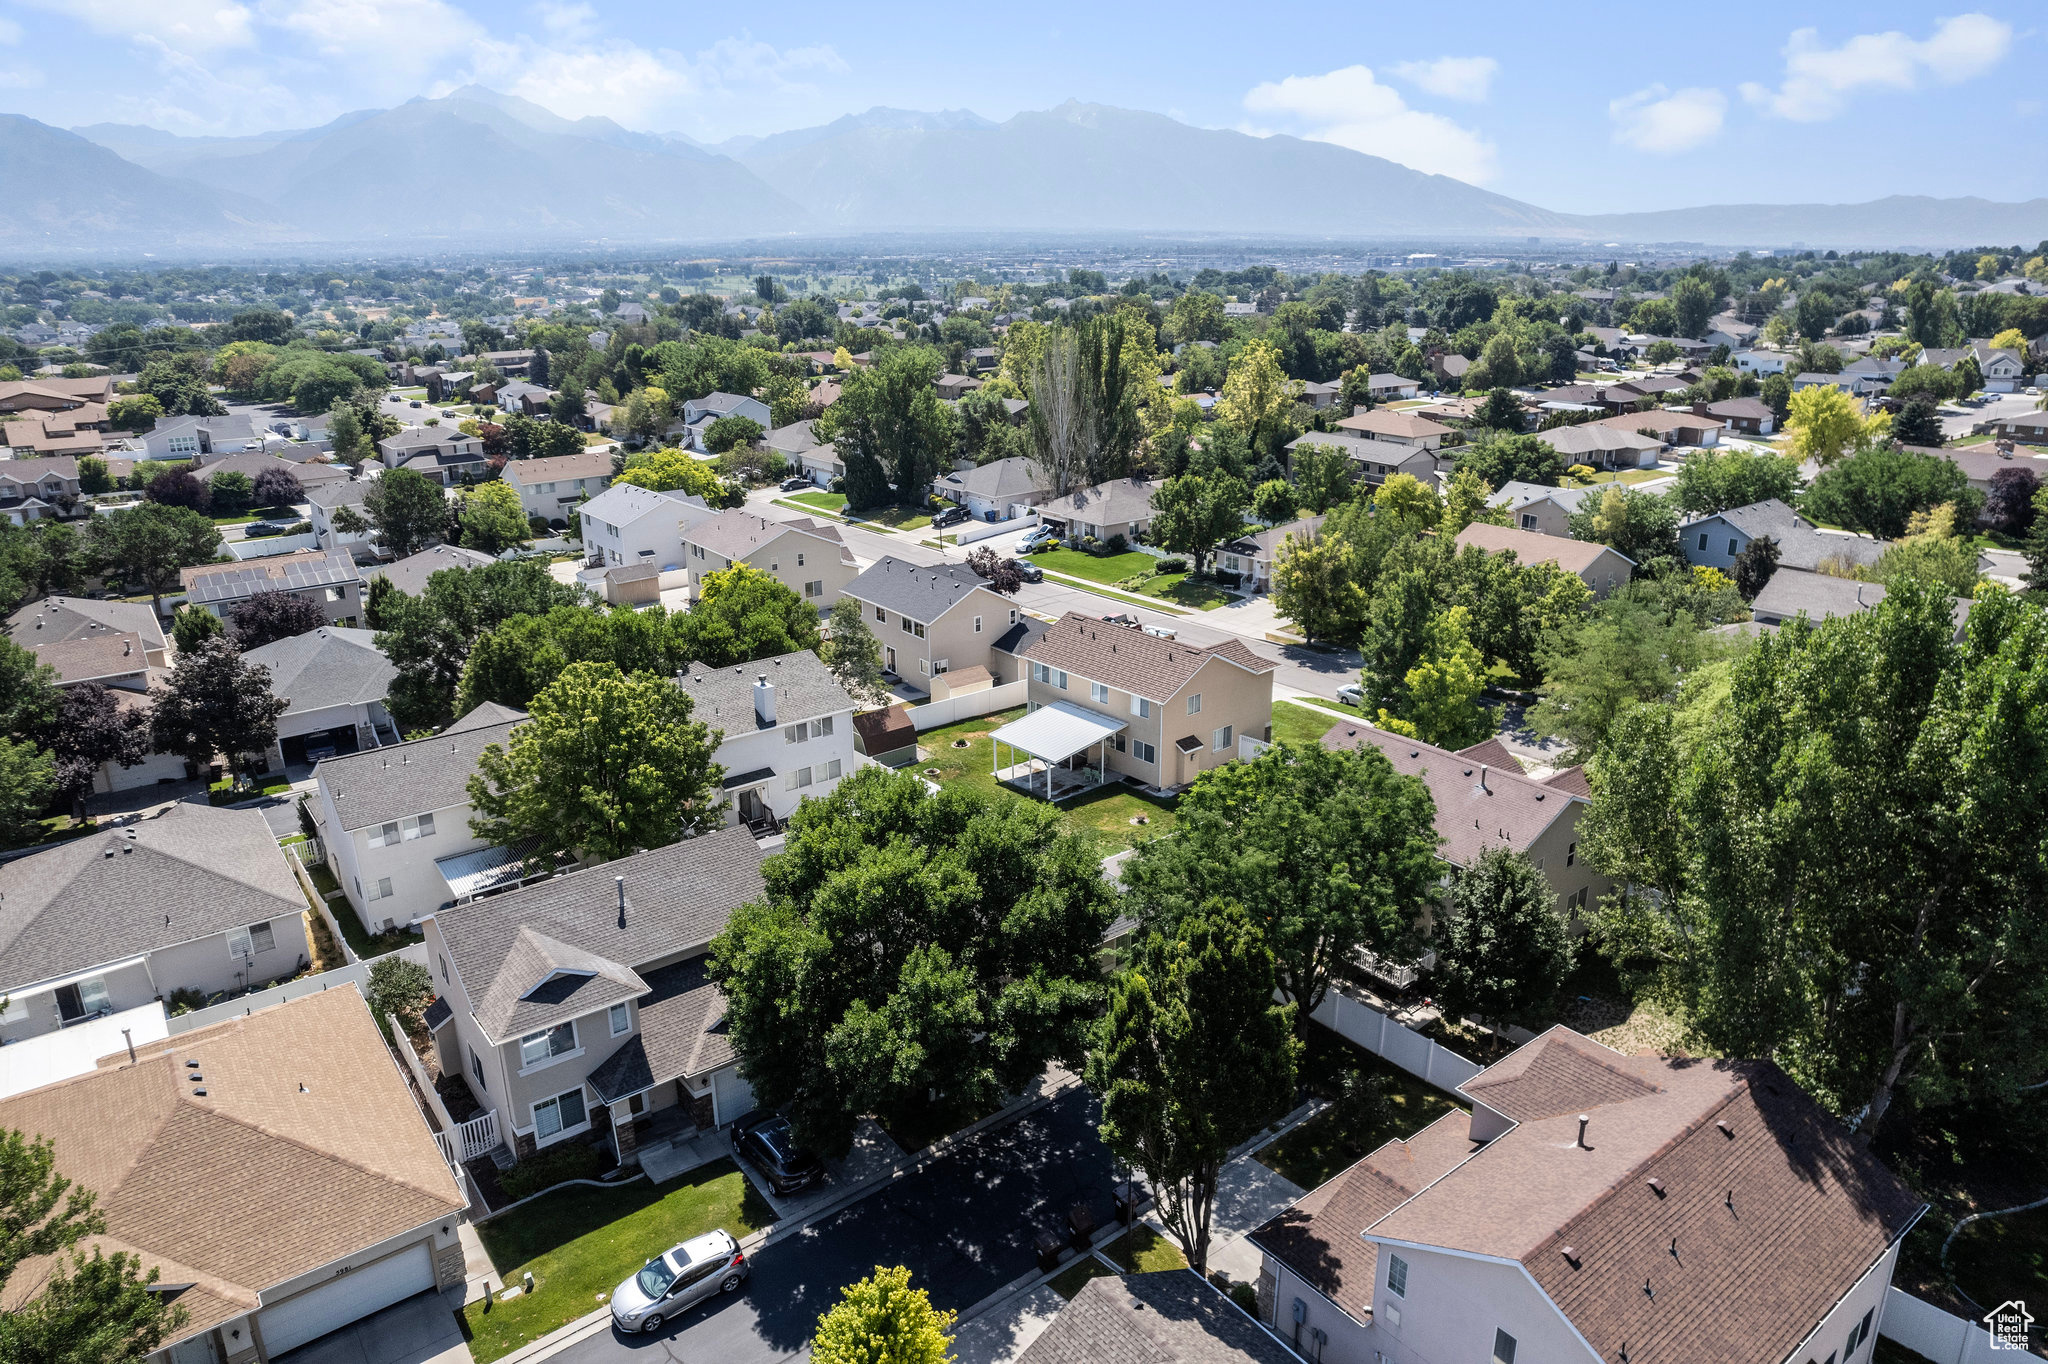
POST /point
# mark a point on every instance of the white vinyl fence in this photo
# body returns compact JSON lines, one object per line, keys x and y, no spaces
{"x":301,"y":856}
{"x":1941,"y":1336}
{"x":356,"y":974}
{"x":459,"y":1141}
{"x":932,"y":714}
{"x":970,"y":531}
{"x":1360,"y":1023}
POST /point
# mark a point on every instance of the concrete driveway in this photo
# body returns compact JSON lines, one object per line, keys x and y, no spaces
{"x":420,"y":1330}
{"x":1957,"y":419}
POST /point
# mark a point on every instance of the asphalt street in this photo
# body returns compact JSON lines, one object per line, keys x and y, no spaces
{"x":963,"y":1225}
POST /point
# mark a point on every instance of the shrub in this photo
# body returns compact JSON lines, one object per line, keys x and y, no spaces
{"x":299,"y":528}
{"x":184,"y":1000}
{"x":401,"y":987}
{"x":1173,"y":564}
{"x":555,"y":1165}
{"x":1118,"y":544}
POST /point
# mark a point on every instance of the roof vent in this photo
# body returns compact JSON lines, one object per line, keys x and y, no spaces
{"x":619,"y":882}
{"x":198,"y":1093}
{"x":1656,"y":1185}
{"x":1648,"y":1291}
{"x":1726,"y":1130}
{"x":1584,"y":1118}
{"x":191,"y":1065}
{"x":1571,"y":1256}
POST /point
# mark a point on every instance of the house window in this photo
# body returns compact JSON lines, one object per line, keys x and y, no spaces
{"x":1141,"y":708}
{"x":977,"y":625}
{"x":1862,"y":1331}
{"x":1528,"y":521}
{"x":796,"y":733}
{"x":1195,"y":704}
{"x":814,"y":589}
{"x":831,"y":771}
{"x":337,"y":594}
{"x":384,"y":834}
{"x":1098,"y":692}
{"x":1222,"y":740}
{"x":476,"y":1068}
{"x":1571,"y":853}
{"x":799,"y":559}
{"x":444,"y":966}
{"x":538,"y":1048}
{"x":821,"y":729}
{"x":917,"y":628}
{"x":380,"y":889}
{"x":881,"y":615}
{"x":1503,"y":1347}
{"x":247,"y":942}
{"x":924,"y":667}
{"x":1733,"y":547}
{"x":1013,"y":615}
{"x":906,"y":625}
{"x":798,"y":779}
{"x":563,"y":1113}
{"x":1117,"y":742}
{"x":1703,"y":542}
{"x":1052,"y":677}
{"x":422,"y":827}
{"x":1143,"y":752}
{"x":622,"y":1018}
{"x":1397,"y":1276}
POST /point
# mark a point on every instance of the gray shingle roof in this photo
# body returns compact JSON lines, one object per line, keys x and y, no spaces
{"x":409,"y":575}
{"x":1016,"y":476}
{"x":723,"y":698}
{"x":48,"y":619}
{"x":624,"y":503}
{"x":1105,"y":504}
{"x":411,"y":778}
{"x":1791,"y":592}
{"x":913,"y":590}
{"x":1515,"y":495}
{"x":682,"y":1032}
{"x":1801,"y":544}
{"x":677,"y":899}
{"x":332,"y":495}
{"x":189,"y":873}
{"x":331,"y":666}
{"x":737,"y":534}
{"x":1170,"y":1317}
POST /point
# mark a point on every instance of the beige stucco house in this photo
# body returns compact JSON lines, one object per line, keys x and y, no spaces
{"x":805,"y":556}
{"x":931,"y":620}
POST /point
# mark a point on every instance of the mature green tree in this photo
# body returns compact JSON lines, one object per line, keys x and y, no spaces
{"x":1193,"y":1057}
{"x":1755,"y":565}
{"x":29,"y":697}
{"x":39,"y":558}
{"x":514,"y":660}
{"x":1846,"y":854}
{"x":1336,"y":849}
{"x":1439,"y":702}
{"x":41,"y":1212}
{"x":493,"y":519}
{"x":730,"y":432}
{"x":232,"y":492}
{"x":1502,"y":411}
{"x":28,"y":778}
{"x":1195,"y":512}
{"x":192,"y":626}
{"x":1715,"y":480}
{"x":179,"y":382}
{"x":399,"y":988}
{"x":93,"y":729}
{"x":1501,"y":460}
{"x":1626,"y":651}
{"x":138,"y":412}
{"x":1273,"y":501}
{"x":850,"y":649}
{"x":743,"y":614}
{"x":890,"y":427}
{"x":912,"y":944}
{"x":147,"y":544}
{"x":1878,"y":490}
{"x":409,"y":510}
{"x":1693,"y":301}
{"x":1506,"y":947}
{"x":429,"y":637}
{"x":606,"y":764}
{"x":883,"y":1320}
{"x":270,"y":615}
{"x":1315,"y":586}
{"x":1918,"y":423}
{"x":1323,"y":476}
{"x":1642,"y":525}
{"x":215,"y":704}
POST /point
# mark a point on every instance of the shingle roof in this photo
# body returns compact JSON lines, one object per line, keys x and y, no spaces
{"x":1105,"y":503}
{"x":682,"y":1033}
{"x":1169,"y":1317}
{"x":737,"y":534}
{"x":1017,"y":476}
{"x":90,"y":658}
{"x":1506,"y":810}
{"x":302,"y":1145}
{"x":1589,"y":438}
{"x":677,"y":899}
{"x":721,"y":403}
{"x":191,"y":872}
{"x":589,"y":464}
{"x":1818,"y":596}
{"x":624,"y":503}
{"x":1132,"y":660}
{"x":208,"y":583}
{"x":1532,"y":547}
{"x":1771,"y":1202}
{"x":254,"y":462}
{"x":1406,"y":425}
{"x":410,"y":778}
{"x":1019,"y":637}
{"x":330,"y":666}
{"x":429,"y":438}
{"x":409,"y":575}
{"x":723,"y":698}
{"x":1389,"y":453}
{"x":332,"y":495}
{"x":919,"y":592}
{"x":1264,"y":544}
{"x":1514,"y":495}
{"x":1801,"y":544}
{"x":885,"y":730}
{"x":1751,"y":409}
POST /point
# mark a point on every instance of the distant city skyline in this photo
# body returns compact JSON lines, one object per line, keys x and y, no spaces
{"x":1601,"y":109}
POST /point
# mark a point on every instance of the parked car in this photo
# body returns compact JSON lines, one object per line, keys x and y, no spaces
{"x":951,"y":516}
{"x":417,"y":403}
{"x":790,"y":485}
{"x":257,"y":529}
{"x":1029,"y":572}
{"x":678,"y":1279}
{"x":320,"y":753}
{"x":764,"y":1140}
{"x":1037,"y":540}
{"x":1353,"y":695}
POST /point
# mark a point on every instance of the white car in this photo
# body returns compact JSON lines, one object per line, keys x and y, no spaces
{"x":1353,"y":695}
{"x":677,"y":1279}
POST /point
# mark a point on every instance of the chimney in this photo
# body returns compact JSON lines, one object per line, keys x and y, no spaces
{"x":126,"y":1036}
{"x":1583,"y":1120}
{"x":764,"y":698}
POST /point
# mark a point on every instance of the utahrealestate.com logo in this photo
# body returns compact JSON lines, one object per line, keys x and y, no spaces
{"x":2008,"y":1323}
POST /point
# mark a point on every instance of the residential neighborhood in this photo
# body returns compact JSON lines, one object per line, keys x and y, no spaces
{"x":849,"y":787}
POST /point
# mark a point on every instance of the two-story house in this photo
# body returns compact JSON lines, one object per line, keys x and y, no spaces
{"x":787,"y":733}
{"x":1716,"y":541}
{"x":333,"y":681}
{"x":1595,"y":1207}
{"x":700,"y":413}
{"x":1397,"y":428}
{"x":1540,"y":508}
{"x":805,"y":556}
{"x":442,"y":453}
{"x":389,"y":818}
{"x":38,"y":489}
{"x":552,"y":488}
{"x":324,"y":504}
{"x":326,"y":577}
{"x":931,"y":620}
{"x":196,"y":898}
{"x":1127,"y":701}
{"x":580,"y":1005}
{"x":627,"y":524}
{"x":193,"y":437}
{"x":1373,"y":462}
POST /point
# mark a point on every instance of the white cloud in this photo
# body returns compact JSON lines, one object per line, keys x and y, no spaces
{"x":1655,"y":119}
{"x":191,"y":26}
{"x":1819,"y":80}
{"x":575,"y":23}
{"x":1350,"y":108}
{"x":1466,"y":78}
{"x":645,"y":87}
{"x":10,"y":32}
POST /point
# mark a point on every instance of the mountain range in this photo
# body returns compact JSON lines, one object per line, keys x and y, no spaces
{"x":484,"y":169}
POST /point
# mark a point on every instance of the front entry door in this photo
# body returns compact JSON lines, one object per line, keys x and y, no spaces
{"x":752,"y":808}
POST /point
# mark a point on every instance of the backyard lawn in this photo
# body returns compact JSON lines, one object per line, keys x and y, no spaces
{"x":580,"y":1243}
{"x":1343,"y":1134}
{"x":1104,"y":814}
{"x":360,"y":940}
{"x":1294,"y":723}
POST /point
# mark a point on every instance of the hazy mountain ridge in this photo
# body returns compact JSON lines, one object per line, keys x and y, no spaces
{"x":400,"y":174}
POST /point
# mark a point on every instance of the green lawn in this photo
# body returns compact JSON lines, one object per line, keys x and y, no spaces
{"x":1142,"y":1250}
{"x":1618,"y":476}
{"x":1104,"y":814}
{"x":1294,"y":723}
{"x":1075,"y":1276}
{"x":834,"y":504}
{"x":1108,"y":569}
{"x":831,"y":502}
{"x":580,"y":1243}
{"x":2003,"y":1257}
{"x":360,"y":940}
{"x":1108,"y":594}
{"x":1343,"y":1134}
{"x":1187,"y":590}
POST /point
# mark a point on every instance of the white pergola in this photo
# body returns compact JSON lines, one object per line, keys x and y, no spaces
{"x":1052,"y":734}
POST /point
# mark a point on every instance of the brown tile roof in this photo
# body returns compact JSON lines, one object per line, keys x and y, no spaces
{"x":1508,"y":810}
{"x":1532,"y":547}
{"x":1771,"y":1202}
{"x":1319,"y":1237}
{"x":1380,"y":422}
{"x":1131,"y":660}
{"x":300,"y":1145}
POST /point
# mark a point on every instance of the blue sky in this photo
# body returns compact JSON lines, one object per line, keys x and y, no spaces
{"x":1582,"y":108}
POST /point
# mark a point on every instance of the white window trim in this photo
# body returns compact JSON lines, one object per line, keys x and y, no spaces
{"x":546,"y":1061}
{"x":563,"y":1133}
{"x":612,"y":1017}
{"x":1195,"y":704}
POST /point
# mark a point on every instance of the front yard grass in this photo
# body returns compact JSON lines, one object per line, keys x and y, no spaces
{"x":1294,"y":723}
{"x":1618,"y":476}
{"x":831,"y":502}
{"x":1142,"y":1250}
{"x":581,"y":1242}
{"x":1343,"y":1134}
{"x":1107,"y":569}
{"x":1185,"y":589}
{"x":1103,"y":814}
{"x":1075,"y":1276}
{"x":834,"y":504}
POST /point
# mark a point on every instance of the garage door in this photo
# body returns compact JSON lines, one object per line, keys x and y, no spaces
{"x":349,"y":1298}
{"x":731,"y":1095}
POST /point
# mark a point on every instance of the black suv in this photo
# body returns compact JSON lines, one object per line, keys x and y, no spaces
{"x":951,"y":516}
{"x":764,"y":1141}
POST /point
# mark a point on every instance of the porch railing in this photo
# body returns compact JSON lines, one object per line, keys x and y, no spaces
{"x":466,"y":1141}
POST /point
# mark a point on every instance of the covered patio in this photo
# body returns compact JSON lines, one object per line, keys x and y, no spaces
{"x":1050,"y":739}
